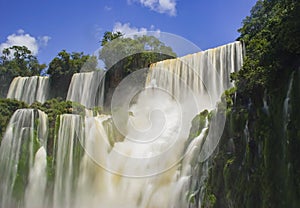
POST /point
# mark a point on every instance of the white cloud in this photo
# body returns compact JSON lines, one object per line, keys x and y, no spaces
{"x":21,"y":31}
{"x":160,"y":6}
{"x":22,"y":39}
{"x":43,"y":41}
{"x":128,"y":30}
{"x":107,"y":8}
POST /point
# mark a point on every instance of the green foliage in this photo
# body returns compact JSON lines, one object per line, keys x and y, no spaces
{"x":17,"y":61}
{"x":90,"y":64}
{"x":62,"y":68}
{"x":123,"y":55}
{"x":109,"y":36}
{"x":68,"y":63}
{"x":7,"y":108}
{"x":198,"y":124}
{"x":53,"y":108}
{"x":148,"y":48}
{"x":272,"y":38}
{"x":257,"y":161}
{"x":22,"y":175}
{"x":211,"y":199}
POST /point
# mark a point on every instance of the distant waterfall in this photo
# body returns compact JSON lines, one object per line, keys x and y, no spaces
{"x":23,"y":160}
{"x":29,"y":89}
{"x":87,"y":89}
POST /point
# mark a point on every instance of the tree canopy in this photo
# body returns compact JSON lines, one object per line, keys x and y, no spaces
{"x":272,"y":38}
{"x":62,"y":68}
{"x":109,"y":36}
{"x":147,"y":49}
{"x":19,"y":61}
{"x":69,"y":63}
{"x":123,"y":55}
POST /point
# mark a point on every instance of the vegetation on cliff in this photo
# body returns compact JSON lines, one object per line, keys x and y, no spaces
{"x":272,"y":38}
{"x":256,"y":163}
{"x":7,"y":108}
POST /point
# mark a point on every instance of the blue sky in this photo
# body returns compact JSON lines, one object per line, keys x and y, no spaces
{"x":48,"y":26}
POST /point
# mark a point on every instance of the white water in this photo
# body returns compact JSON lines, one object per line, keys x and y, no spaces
{"x":35,"y":191}
{"x":102,"y":185}
{"x":87,"y":88}
{"x":67,"y":159}
{"x":145,"y":169}
{"x":29,"y":89}
{"x":206,"y":74}
{"x":184,"y":183}
{"x":286,"y":105}
{"x":18,"y":153}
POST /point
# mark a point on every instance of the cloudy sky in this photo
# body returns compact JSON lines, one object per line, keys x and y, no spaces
{"x":48,"y":26}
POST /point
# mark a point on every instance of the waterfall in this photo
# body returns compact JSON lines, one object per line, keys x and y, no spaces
{"x":144,"y":170}
{"x":101,"y":183}
{"x":35,"y":192}
{"x":87,"y":88}
{"x":67,"y":158}
{"x":206,"y":73}
{"x":202,"y":78}
{"x":79,"y":180}
{"x":186,"y":189}
{"x":153,"y":164}
{"x":29,"y":89}
{"x":286,"y":105}
{"x":23,"y":158}
{"x":93,"y":182}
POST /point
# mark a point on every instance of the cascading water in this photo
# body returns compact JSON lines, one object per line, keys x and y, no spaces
{"x":35,"y":193}
{"x":206,"y":73}
{"x":87,"y":88}
{"x":144,"y":170}
{"x":153,"y":164}
{"x":186,"y":187}
{"x":29,"y":89}
{"x":23,"y":160}
{"x":286,"y":104}
{"x":67,"y":159}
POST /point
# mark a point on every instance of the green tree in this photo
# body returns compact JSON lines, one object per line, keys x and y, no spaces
{"x":134,"y":53}
{"x":109,"y":36}
{"x":90,"y":65}
{"x":67,"y":63}
{"x":7,"y":108}
{"x":62,"y":68}
{"x":17,"y":61}
{"x":272,"y":38}
{"x":124,"y":55}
